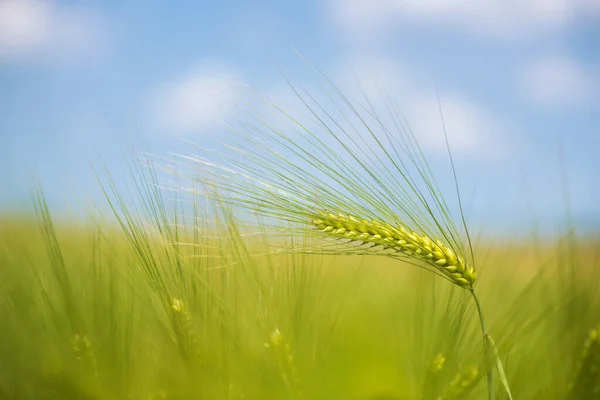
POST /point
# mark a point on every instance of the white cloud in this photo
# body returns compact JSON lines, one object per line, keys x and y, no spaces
{"x":199,"y":99}
{"x":39,"y":28}
{"x":507,"y":18}
{"x":471,"y":128}
{"x":557,"y":81}
{"x":23,"y":24}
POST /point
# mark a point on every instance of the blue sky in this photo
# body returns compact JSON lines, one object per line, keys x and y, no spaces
{"x":519,"y":84}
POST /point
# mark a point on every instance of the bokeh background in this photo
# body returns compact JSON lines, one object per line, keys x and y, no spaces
{"x":82,"y":82}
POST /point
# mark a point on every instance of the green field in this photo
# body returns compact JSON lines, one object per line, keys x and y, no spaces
{"x":222,"y":285}
{"x":98,"y":312}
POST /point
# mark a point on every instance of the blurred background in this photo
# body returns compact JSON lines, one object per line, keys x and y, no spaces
{"x":82,"y":82}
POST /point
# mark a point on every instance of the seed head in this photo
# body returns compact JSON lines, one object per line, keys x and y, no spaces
{"x":177,"y":305}
{"x":462,"y":383}
{"x":400,"y":239}
{"x":586,"y":383}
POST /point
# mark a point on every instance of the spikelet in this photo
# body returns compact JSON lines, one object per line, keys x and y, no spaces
{"x":462,"y":384}
{"x":285,"y":360}
{"x":586,"y":382}
{"x":437,"y":363}
{"x":400,"y":239}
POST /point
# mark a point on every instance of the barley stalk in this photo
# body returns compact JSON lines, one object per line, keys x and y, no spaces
{"x":402,"y":240}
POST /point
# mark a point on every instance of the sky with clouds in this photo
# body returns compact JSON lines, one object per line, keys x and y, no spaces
{"x":519,"y":83}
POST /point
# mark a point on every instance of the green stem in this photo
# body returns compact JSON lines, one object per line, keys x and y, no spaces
{"x":490,"y":372}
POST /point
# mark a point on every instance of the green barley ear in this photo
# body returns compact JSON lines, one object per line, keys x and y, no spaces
{"x":84,"y":354}
{"x":400,"y":240}
{"x":428,"y":388}
{"x":285,"y":361}
{"x":586,"y":381}
{"x":438,"y":363}
{"x":185,"y":333}
{"x":462,"y":384}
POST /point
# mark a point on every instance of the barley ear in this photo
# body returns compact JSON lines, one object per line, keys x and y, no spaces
{"x":285,"y":362}
{"x":401,"y":240}
{"x":586,"y":380}
{"x":462,"y":384}
{"x":430,"y":382}
{"x":84,"y":354}
{"x":185,"y":333}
